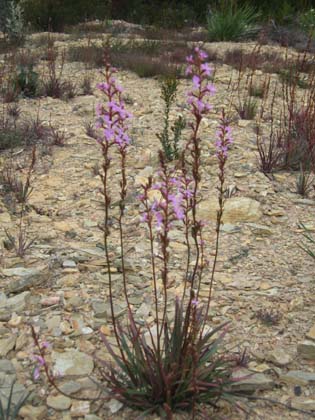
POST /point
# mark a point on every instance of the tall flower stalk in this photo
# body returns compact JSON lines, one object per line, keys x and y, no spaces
{"x":112,"y":120}
{"x":198,"y":99}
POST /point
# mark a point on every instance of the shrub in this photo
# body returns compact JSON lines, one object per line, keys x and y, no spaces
{"x":229,"y":23}
{"x":26,"y":81}
{"x":169,"y":87}
{"x":21,"y":190}
{"x":11,"y":20}
{"x":11,"y":135}
{"x":293,"y":76}
{"x":307,"y":22}
{"x":86,"y":85}
{"x":298,"y":143}
{"x":54,"y":84}
{"x":14,"y":26}
{"x":269,"y":316}
{"x":54,"y":15}
{"x":269,"y":153}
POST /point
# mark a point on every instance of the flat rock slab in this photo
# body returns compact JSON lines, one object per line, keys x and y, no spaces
{"x":303,"y":404}
{"x":72,"y":363}
{"x":6,"y":366}
{"x":28,"y":412}
{"x":306,"y":349}
{"x":7,"y":344}
{"x":16,"y":303}
{"x":298,"y":377}
{"x":59,"y":402}
{"x":25,"y":283}
{"x":236,"y":209}
{"x":22,"y":271}
{"x":248,"y":381}
{"x":279,"y":358}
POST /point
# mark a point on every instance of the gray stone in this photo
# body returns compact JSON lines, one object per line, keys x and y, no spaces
{"x":24,"y":283}
{"x":16,"y":303}
{"x":144,"y":310}
{"x":307,"y":349}
{"x":298,"y":377}
{"x":260,"y":230}
{"x":91,"y":417}
{"x":72,"y":362}
{"x":100,"y":308}
{"x":69,"y":264}
{"x":228,"y":228}
{"x":6,"y":345}
{"x":53,"y":322}
{"x":304,"y":202}
{"x":59,"y":402}
{"x":248,"y":381}
{"x":75,"y":301}
{"x":21,"y":341}
{"x":80,"y":408}
{"x":6,"y":366}
{"x":70,"y":387}
{"x":28,"y":412}
{"x":5,"y":316}
{"x":303,"y":404}
{"x":22,"y":271}
{"x":279,"y":358}
{"x":236,"y":209}
{"x":114,"y":405}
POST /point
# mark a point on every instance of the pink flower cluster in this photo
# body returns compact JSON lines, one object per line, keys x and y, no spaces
{"x":224,"y":138}
{"x":202,"y":89}
{"x":173,"y":204}
{"x":112,"y":117}
{"x":40,"y":360}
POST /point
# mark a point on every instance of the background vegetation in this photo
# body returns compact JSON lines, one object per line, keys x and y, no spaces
{"x":55,"y":14}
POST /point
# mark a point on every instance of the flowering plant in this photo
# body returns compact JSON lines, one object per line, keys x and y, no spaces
{"x":169,"y":365}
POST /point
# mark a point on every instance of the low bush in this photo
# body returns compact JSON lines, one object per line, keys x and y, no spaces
{"x":307,"y":22}
{"x":170,"y":144}
{"x":54,"y":15}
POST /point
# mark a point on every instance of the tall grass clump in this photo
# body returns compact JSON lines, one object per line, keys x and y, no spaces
{"x":232,"y":23}
{"x":21,"y":189}
{"x":177,"y":362}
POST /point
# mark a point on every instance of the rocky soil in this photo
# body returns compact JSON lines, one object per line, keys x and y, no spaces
{"x":61,"y":287}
